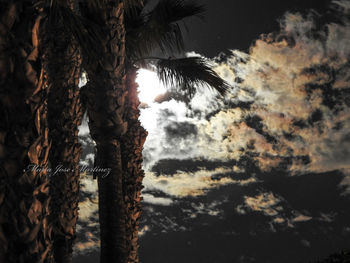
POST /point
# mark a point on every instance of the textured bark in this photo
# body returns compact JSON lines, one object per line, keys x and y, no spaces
{"x":132,"y":144}
{"x":62,"y":61}
{"x":105,"y":101}
{"x":24,"y":198}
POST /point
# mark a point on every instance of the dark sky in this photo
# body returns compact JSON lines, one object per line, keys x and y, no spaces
{"x":231,"y":24}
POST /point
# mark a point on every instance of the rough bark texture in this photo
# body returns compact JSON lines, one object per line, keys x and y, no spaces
{"x":62,"y":61}
{"x":132,"y":144}
{"x":24,"y":197}
{"x":105,"y":101}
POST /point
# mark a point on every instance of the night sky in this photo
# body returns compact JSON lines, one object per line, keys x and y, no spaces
{"x":237,"y":24}
{"x":230,"y":24}
{"x":261,"y":175}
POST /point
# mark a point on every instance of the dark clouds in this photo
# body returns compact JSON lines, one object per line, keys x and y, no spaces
{"x":180,"y":130}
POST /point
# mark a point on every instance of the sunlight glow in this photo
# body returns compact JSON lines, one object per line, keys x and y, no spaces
{"x":149,"y":86}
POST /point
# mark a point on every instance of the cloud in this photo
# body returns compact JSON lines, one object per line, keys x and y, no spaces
{"x":320,"y":85}
{"x":151,"y":199}
{"x":299,"y":81}
{"x":180,"y":130}
{"x":199,"y":208}
{"x":183,"y":184}
{"x":301,"y":218}
{"x":329,"y":218}
{"x":345,"y":183}
{"x":274,"y":207}
{"x":267,"y":203}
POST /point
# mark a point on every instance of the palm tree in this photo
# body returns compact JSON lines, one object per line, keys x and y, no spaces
{"x":106,"y":96}
{"x":24,"y":198}
{"x":113,"y":113}
{"x":158,"y":29}
{"x":59,"y":31}
{"x":131,"y":146}
{"x":62,"y":62}
{"x":67,"y":36}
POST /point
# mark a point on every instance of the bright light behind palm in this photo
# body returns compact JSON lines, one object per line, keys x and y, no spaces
{"x":149,"y":86}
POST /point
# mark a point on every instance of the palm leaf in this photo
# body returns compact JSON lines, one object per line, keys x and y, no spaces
{"x":93,"y":10}
{"x":85,"y":32}
{"x":187,"y":73}
{"x":170,"y":11}
{"x":160,"y":27}
{"x":132,"y":6}
{"x":100,"y":4}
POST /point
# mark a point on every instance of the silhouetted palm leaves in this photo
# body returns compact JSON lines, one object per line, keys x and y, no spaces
{"x":159,"y":28}
{"x":187,"y":73}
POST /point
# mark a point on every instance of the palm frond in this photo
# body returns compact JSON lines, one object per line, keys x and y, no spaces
{"x":170,"y":11}
{"x":131,"y":6}
{"x":100,"y":4}
{"x":93,"y":10}
{"x":188,"y":73}
{"x":160,"y":27}
{"x":162,"y":23}
{"x":86,"y":33}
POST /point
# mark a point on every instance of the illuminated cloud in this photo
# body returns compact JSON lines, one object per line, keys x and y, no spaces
{"x":148,"y":198}
{"x":210,"y":209}
{"x":182,"y":184}
{"x":273,"y":206}
{"x":301,"y":218}
{"x":267,"y":203}
{"x":299,"y":81}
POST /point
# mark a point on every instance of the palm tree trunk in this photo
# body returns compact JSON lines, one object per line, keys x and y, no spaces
{"x":132,"y":143}
{"x":106,"y":94}
{"x":24,"y":197}
{"x":63,"y":63}
{"x":110,"y":184}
